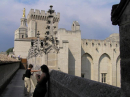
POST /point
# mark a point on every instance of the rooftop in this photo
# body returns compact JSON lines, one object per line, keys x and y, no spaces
{"x":6,"y":59}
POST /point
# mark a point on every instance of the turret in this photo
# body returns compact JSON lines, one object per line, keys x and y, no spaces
{"x":21,"y":32}
{"x":75,"y":26}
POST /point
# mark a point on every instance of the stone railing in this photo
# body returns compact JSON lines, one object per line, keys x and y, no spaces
{"x":64,"y":85}
{"x":7,"y":70}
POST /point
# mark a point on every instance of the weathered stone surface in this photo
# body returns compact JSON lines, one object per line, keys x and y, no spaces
{"x":6,"y":71}
{"x":125,"y":41}
{"x":121,"y":16}
{"x":64,"y":85}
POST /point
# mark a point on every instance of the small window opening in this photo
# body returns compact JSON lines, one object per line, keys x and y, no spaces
{"x":82,"y":75}
{"x":22,"y":36}
{"x":103,"y":77}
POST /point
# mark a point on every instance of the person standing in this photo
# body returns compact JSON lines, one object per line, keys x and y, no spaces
{"x":27,"y":82}
{"x":42,"y":79}
{"x":18,"y":57}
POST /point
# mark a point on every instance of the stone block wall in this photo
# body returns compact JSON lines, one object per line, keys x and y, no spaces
{"x":97,"y":52}
{"x":6,"y":71}
{"x":64,"y":85}
{"x":21,"y":47}
{"x":37,"y":21}
{"x":63,"y":57}
{"x":74,"y":49}
{"x":124,"y":29}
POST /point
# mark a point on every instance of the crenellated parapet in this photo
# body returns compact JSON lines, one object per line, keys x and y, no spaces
{"x":99,"y":43}
{"x":68,"y":32}
{"x":110,"y":42}
{"x":41,"y":15}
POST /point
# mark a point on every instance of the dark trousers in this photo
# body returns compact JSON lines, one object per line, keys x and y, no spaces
{"x":39,"y":92}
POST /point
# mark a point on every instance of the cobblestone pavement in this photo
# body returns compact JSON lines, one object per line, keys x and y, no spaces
{"x":16,"y":86}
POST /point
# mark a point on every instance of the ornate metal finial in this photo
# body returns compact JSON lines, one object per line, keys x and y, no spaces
{"x":24,"y":13}
{"x":50,"y":10}
{"x":38,"y":34}
{"x":51,"y":7}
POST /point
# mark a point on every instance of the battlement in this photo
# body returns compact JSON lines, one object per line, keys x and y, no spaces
{"x":100,"y":43}
{"x":64,"y":31}
{"x":42,"y":15}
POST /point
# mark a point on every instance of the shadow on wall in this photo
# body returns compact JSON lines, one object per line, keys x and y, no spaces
{"x":82,"y":51}
{"x":86,"y":63}
{"x":71,"y":65}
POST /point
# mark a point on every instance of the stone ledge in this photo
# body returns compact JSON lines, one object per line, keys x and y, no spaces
{"x":62,"y":84}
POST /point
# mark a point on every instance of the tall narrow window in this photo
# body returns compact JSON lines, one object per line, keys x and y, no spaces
{"x":103,"y":77}
{"x":22,"y":36}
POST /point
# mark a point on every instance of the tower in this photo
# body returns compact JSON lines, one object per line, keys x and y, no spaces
{"x":38,"y":20}
{"x":21,"y":32}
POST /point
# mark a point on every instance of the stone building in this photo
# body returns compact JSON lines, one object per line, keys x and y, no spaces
{"x":64,"y":50}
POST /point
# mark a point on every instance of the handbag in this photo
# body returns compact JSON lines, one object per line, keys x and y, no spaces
{"x":23,"y":76}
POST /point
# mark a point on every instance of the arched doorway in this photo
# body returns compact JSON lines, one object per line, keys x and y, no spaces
{"x":105,"y":69}
{"x":118,"y":73}
{"x":86,"y":66}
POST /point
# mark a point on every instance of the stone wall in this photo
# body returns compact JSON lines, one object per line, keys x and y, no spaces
{"x":120,"y":15}
{"x":124,"y":29}
{"x":64,"y":85}
{"x":37,"y":21}
{"x":7,"y":70}
{"x":101,"y":56}
{"x":21,"y":47}
{"x":74,"y":49}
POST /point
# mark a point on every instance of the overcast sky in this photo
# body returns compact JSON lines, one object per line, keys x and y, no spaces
{"x":94,"y":17}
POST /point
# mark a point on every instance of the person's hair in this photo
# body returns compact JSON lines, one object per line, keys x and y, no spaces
{"x":30,"y":66}
{"x":44,"y":69}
